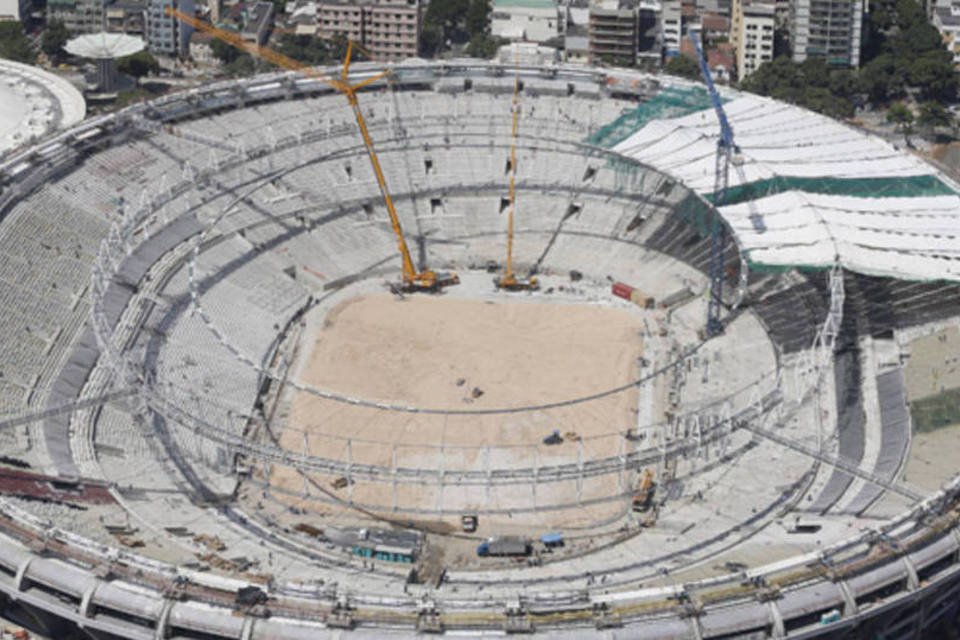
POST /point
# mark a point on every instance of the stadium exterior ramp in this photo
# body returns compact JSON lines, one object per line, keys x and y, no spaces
{"x":898,"y":575}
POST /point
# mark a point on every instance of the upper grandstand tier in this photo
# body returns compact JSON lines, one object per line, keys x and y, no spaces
{"x":806,"y":191}
{"x":223,"y":212}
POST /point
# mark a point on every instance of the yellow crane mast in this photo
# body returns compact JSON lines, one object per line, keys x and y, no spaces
{"x":412,"y":280}
{"x":509,"y":280}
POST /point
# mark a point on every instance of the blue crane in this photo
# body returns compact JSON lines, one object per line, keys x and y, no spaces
{"x":726,"y":150}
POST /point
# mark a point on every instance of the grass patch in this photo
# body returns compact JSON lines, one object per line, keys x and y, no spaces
{"x":936,"y":412}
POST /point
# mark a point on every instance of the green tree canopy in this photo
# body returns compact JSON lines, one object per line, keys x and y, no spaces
{"x":53,"y":39}
{"x":933,"y":114}
{"x":14,"y":44}
{"x":900,"y":115}
{"x":683,"y":66}
{"x":138,"y":65}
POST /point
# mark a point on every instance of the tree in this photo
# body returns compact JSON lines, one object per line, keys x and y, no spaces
{"x":934,"y":76}
{"x":882,"y":79}
{"x":53,"y":39}
{"x":932,"y":115}
{"x":14,"y":44}
{"x":900,"y":115}
{"x":482,"y":46}
{"x":242,"y":65}
{"x":138,"y":65}
{"x":683,"y":66}
{"x":223,"y":52}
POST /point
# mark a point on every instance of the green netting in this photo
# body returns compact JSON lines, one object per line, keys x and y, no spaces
{"x":672,"y":102}
{"x":893,"y":187}
{"x":942,"y":410}
{"x":697,"y":214}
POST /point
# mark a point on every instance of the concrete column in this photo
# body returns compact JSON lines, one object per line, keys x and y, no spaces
{"x":88,"y":598}
{"x":160,"y":633}
{"x":779,"y":629}
{"x":21,"y":572}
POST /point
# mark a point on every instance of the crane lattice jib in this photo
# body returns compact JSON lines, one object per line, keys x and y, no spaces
{"x":726,"y":133}
{"x":725,"y":150}
{"x":342,"y":85}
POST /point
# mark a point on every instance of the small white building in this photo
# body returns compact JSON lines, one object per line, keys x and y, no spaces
{"x":947,"y":21}
{"x":751,"y":33}
{"x":15,"y":10}
{"x":526,"y":20}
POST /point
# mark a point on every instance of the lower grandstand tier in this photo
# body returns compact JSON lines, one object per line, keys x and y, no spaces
{"x":205,"y":337}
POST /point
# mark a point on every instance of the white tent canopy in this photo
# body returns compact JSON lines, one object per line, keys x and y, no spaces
{"x":914,"y":234}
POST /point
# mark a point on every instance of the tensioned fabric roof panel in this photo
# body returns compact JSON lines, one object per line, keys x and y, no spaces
{"x":809,"y":191}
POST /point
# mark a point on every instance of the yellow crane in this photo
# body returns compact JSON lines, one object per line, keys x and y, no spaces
{"x":509,"y":279}
{"x":412,"y":280}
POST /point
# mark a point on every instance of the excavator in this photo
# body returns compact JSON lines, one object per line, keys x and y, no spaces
{"x":412,"y":280}
{"x":643,"y":496}
{"x":509,"y":281}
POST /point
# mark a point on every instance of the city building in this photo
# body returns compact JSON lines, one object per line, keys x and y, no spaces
{"x":126,"y":16}
{"x":751,"y":33}
{"x":528,"y":20}
{"x":576,"y":49}
{"x":947,"y":21}
{"x":829,"y":29}
{"x":15,"y":9}
{"x":257,"y":23}
{"x":388,"y":29}
{"x":624,"y":32}
{"x":671,"y":27}
{"x":79,"y":16}
{"x":165,"y":34}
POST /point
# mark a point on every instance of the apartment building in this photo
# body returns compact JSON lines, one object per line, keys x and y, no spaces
{"x":79,"y":16}
{"x":127,"y":16}
{"x":18,"y":10}
{"x":624,"y":31}
{"x":947,"y":21}
{"x":751,"y":34}
{"x":166,"y":35}
{"x":671,"y":27}
{"x":389,"y":29}
{"x":829,"y":29}
{"x":526,"y":20}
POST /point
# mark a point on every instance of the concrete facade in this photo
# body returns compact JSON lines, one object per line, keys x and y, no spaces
{"x":389,"y":29}
{"x":947,"y":21}
{"x":528,"y":20}
{"x":15,"y":9}
{"x":751,"y":33}
{"x":166,"y":35}
{"x":79,"y":16}
{"x":829,"y":29}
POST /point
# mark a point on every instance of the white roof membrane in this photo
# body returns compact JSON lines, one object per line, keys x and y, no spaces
{"x":907,"y":237}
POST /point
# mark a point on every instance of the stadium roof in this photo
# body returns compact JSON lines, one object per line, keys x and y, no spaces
{"x":807,"y":191}
{"x":104,"y":45}
{"x":33,"y":103}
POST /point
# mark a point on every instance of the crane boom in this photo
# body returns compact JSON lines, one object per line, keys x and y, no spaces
{"x":726,"y":148}
{"x":413,"y":280}
{"x":509,"y":280}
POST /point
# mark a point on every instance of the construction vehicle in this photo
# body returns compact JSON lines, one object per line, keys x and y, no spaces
{"x":643,"y":496}
{"x":509,"y":280}
{"x":504,"y":546}
{"x":553,"y":438}
{"x":412,"y":280}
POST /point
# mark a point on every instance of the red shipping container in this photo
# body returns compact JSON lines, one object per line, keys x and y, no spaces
{"x":621,"y":290}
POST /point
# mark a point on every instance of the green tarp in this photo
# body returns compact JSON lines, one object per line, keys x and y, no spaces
{"x":891,"y":187}
{"x":672,"y":102}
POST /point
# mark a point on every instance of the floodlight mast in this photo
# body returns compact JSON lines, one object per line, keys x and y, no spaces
{"x":412,"y":279}
{"x":726,"y":150}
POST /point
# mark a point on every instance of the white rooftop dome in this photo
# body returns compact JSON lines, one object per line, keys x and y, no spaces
{"x":104,"y":45}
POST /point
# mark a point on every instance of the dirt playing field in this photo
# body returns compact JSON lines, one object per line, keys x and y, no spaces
{"x":448,"y":353}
